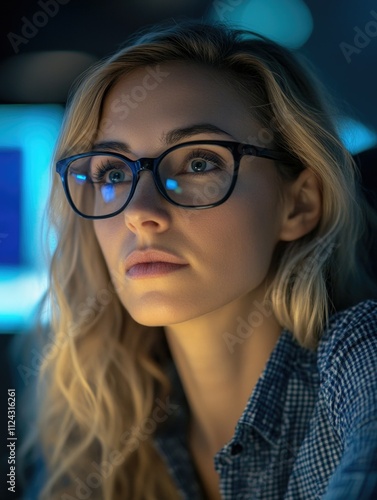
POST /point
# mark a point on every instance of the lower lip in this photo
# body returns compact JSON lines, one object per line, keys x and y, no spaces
{"x":153,"y":269}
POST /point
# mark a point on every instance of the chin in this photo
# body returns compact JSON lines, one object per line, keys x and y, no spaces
{"x":157,"y":315}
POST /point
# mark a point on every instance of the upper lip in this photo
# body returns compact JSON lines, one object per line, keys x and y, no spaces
{"x":151,"y":255}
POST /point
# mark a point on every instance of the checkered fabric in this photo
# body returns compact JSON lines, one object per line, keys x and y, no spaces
{"x":309,"y":429}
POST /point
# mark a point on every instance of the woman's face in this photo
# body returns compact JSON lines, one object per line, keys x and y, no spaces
{"x":226,"y":250}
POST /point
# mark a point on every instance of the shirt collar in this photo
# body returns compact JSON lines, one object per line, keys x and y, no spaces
{"x":289,"y":370}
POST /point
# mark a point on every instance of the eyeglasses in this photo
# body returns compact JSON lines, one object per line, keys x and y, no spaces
{"x":196,"y":174}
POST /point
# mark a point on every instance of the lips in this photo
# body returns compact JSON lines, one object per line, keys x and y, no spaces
{"x":152,"y":263}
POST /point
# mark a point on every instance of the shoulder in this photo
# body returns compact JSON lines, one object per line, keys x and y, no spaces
{"x":356,"y":326}
{"x":347,"y":364}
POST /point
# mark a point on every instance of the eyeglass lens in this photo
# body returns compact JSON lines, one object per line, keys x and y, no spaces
{"x":195,"y":175}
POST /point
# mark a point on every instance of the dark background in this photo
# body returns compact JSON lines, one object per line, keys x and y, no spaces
{"x":98,"y":28}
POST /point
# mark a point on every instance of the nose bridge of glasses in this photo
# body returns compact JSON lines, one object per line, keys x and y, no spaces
{"x":145,"y":164}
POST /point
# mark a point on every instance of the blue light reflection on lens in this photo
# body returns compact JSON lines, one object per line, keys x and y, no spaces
{"x":172,"y":185}
{"x":80,"y":178}
{"x":108,"y":193}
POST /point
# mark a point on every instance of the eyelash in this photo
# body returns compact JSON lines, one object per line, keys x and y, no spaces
{"x":101,"y":171}
{"x":205,"y":155}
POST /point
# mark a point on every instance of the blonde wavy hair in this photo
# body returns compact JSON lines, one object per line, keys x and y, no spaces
{"x":104,"y":372}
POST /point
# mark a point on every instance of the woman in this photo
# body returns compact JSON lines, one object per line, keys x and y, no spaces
{"x":212,"y":333}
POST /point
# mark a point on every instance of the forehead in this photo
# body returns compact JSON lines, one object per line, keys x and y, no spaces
{"x":154,"y":99}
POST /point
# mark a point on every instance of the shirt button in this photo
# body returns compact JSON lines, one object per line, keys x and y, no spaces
{"x":236,"y":449}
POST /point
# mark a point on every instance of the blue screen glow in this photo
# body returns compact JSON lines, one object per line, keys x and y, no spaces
{"x":356,"y":136}
{"x":10,"y":206}
{"x":288,"y":22}
{"x":28,"y":135}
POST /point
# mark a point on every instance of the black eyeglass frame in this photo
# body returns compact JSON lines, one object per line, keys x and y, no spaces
{"x":239,"y":150}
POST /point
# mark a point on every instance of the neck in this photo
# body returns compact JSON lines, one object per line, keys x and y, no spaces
{"x":219,"y":358}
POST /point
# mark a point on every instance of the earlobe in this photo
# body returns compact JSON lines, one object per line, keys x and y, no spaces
{"x":302,"y":206}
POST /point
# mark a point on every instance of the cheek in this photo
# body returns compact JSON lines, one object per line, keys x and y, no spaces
{"x":242,"y":235}
{"x":106,"y":233}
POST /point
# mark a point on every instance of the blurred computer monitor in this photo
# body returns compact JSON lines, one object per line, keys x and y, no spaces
{"x":28,"y":135}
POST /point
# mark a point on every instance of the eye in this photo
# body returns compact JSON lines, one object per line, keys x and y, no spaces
{"x":200,"y":165}
{"x":115,"y":176}
{"x":111,"y":172}
{"x":203,"y":161}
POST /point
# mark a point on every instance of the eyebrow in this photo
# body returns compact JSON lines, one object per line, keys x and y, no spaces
{"x":168,"y":138}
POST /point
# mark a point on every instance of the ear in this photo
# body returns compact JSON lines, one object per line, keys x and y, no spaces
{"x":302,"y":206}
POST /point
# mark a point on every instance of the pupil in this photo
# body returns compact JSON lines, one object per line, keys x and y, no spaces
{"x":198,"y":165}
{"x":115,"y":176}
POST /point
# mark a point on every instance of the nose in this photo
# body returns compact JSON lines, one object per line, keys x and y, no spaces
{"x":147,"y":211}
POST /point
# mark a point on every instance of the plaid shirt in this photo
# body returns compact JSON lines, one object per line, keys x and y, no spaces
{"x":309,"y":429}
